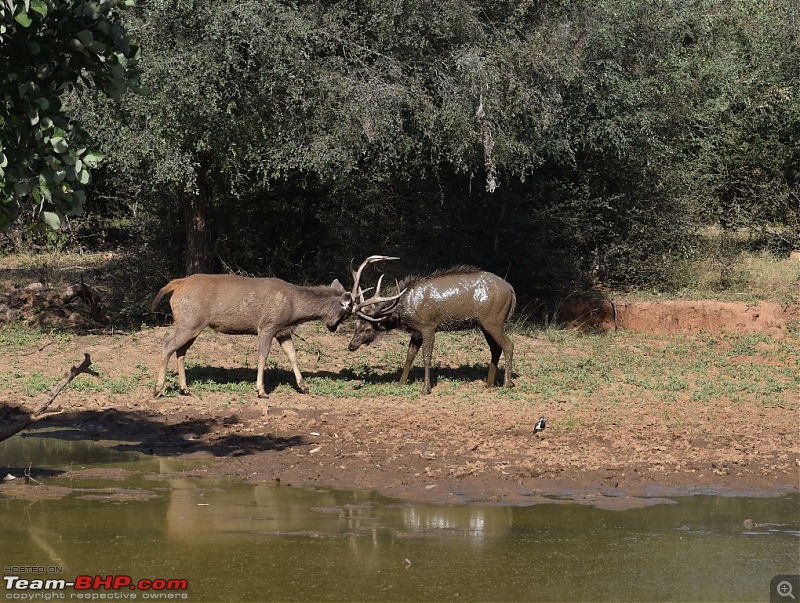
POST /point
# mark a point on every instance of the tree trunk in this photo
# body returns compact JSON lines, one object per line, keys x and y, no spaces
{"x":199,"y":229}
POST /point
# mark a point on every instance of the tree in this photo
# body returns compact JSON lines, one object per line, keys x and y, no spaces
{"x":283,"y":136}
{"x":742,"y":147}
{"x":48,"y":47}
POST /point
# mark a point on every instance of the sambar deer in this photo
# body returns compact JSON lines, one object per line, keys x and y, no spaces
{"x":237,"y":305}
{"x":454,"y":299}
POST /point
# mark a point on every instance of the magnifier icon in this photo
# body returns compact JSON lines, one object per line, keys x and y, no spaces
{"x":785,"y":589}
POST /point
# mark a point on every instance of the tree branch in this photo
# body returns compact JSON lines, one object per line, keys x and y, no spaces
{"x":35,"y":415}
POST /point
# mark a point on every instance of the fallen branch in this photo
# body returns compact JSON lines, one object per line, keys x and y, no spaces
{"x":35,"y":415}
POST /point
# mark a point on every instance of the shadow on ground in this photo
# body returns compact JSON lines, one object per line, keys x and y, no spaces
{"x":141,"y":432}
{"x":276,"y":377}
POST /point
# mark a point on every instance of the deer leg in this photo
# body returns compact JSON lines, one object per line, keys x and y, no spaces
{"x":413,"y":348}
{"x":508,"y":352}
{"x":495,"y":349}
{"x":427,"y":353}
{"x":498,"y":340}
{"x":264,"y":344}
{"x":181,"y":355}
{"x":162,"y":372}
{"x":288,"y":347}
{"x":180,"y":341}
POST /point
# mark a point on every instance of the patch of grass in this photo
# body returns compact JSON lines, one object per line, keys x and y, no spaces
{"x":580,"y":368}
{"x":727,"y":268}
{"x":37,"y":383}
{"x":345,"y":388}
{"x":211,"y":386}
{"x":15,"y":335}
{"x":123,"y":384}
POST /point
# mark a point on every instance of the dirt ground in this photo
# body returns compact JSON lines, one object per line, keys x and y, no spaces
{"x":463,"y":442}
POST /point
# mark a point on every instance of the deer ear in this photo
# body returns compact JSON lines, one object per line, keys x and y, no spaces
{"x":337,"y":286}
{"x":346,"y":300}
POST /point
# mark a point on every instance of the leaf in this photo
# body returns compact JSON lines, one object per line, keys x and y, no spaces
{"x":78,"y":198}
{"x":39,"y":6}
{"x":59,"y":144}
{"x":51,"y":219}
{"x":23,"y":19}
{"x":85,"y":37}
{"x":92,"y":158}
{"x":44,"y":185}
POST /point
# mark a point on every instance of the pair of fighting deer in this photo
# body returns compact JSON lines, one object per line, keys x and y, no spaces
{"x":271,"y":308}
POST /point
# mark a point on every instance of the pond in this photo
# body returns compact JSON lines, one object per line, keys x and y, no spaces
{"x":235,"y":541}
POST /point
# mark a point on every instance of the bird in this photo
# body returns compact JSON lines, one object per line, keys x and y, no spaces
{"x":540,"y":425}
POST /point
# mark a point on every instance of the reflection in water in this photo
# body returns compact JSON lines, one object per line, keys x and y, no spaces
{"x":258,"y":542}
{"x":473,"y":522}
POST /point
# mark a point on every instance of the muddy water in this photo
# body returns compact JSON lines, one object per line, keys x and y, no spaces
{"x":234,"y":541}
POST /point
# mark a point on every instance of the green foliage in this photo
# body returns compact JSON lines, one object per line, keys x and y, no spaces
{"x":566,"y":145}
{"x":46,"y":48}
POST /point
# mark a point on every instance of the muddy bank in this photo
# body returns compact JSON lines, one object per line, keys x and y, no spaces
{"x":678,"y":316}
{"x":435,"y":450}
{"x":627,"y":414}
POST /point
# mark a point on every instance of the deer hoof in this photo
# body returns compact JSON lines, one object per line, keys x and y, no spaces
{"x":185,"y":391}
{"x":303,"y":388}
{"x":262,"y":394}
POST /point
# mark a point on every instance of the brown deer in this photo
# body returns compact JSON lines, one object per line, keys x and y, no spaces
{"x":454,"y":299}
{"x":236,"y":305}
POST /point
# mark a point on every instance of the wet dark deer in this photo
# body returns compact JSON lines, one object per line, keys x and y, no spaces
{"x":267,"y":307}
{"x":454,"y":299}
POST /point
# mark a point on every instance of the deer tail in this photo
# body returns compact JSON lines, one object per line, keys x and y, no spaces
{"x":166,"y":289}
{"x":513,"y":305}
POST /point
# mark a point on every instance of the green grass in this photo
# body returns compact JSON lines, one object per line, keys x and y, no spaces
{"x":734,"y":367}
{"x":551,"y":365}
{"x":579,"y":368}
{"x":15,"y":336}
{"x":728,"y":269}
{"x":36,"y":384}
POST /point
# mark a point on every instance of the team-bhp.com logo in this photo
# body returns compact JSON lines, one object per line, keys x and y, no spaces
{"x":93,"y":587}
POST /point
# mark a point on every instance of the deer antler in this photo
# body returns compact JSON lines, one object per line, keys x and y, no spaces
{"x":377,"y":298}
{"x":357,"y":273}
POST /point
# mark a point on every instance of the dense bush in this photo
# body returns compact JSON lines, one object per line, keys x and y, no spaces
{"x":567,"y":145}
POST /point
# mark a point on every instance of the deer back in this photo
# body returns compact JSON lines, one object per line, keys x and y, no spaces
{"x":230,"y":303}
{"x":455,"y":299}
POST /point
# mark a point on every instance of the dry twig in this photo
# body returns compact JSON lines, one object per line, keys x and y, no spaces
{"x":35,"y":415}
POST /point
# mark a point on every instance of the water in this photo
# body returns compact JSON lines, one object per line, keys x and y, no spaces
{"x":243,"y":542}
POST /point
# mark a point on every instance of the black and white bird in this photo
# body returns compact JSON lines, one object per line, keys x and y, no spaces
{"x":540,"y":425}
